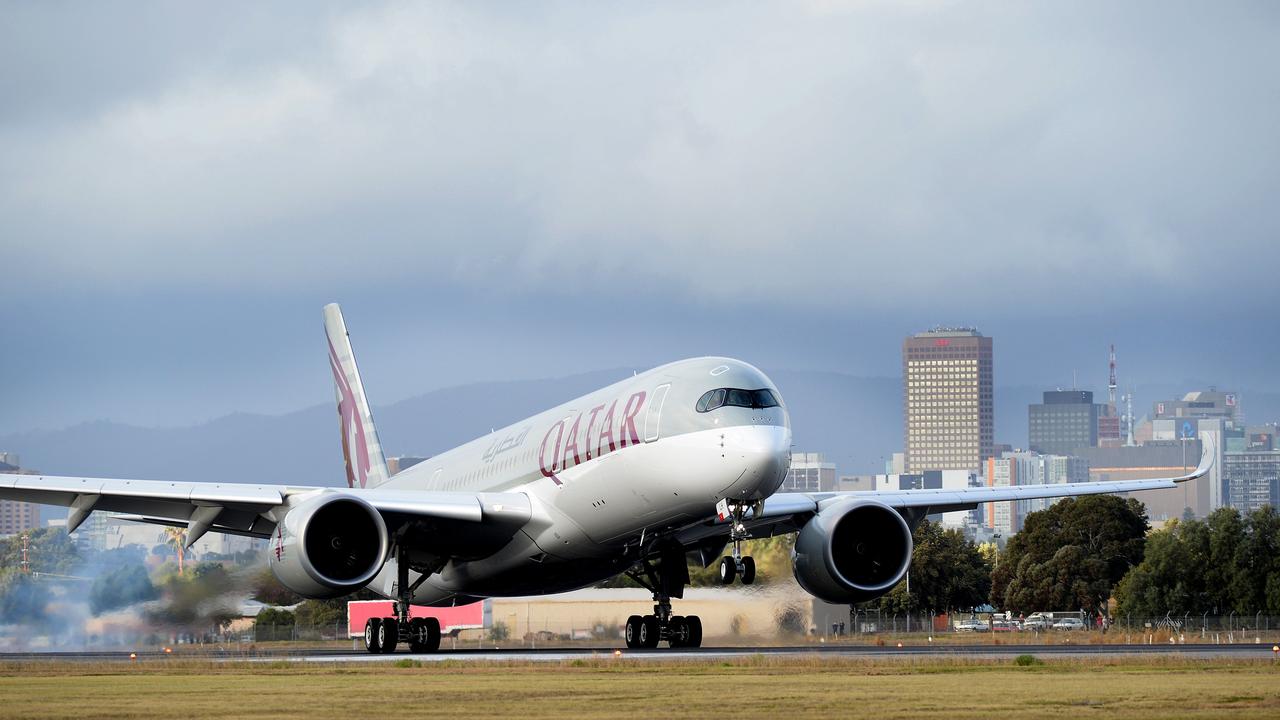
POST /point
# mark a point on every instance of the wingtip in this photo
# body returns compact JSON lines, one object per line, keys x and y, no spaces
{"x":1208,"y":456}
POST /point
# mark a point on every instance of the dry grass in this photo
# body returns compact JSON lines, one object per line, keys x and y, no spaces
{"x":757,"y":686}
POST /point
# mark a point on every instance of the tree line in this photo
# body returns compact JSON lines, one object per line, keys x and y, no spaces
{"x":1080,"y":553}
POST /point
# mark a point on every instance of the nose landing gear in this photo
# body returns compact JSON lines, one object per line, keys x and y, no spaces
{"x":738,"y":565}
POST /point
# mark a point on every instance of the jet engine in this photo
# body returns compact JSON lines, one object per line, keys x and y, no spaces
{"x":328,"y":546}
{"x":852,"y":552}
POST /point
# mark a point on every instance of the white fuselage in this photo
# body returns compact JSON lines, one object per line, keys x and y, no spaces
{"x":603,"y":470}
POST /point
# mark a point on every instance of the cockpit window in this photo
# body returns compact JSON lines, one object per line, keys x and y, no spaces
{"x":711,"y":400}
{"x":734,"y":397}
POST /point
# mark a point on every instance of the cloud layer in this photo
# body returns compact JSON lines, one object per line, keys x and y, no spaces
{"x":827,"y":153}
{"x":597,"y":186}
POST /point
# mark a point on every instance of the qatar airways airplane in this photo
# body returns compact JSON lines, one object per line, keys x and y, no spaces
{"x":683,"y":460}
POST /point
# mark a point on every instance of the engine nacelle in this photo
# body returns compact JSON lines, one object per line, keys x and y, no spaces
{"x":852,"y":552}
{"x":328,"y":546}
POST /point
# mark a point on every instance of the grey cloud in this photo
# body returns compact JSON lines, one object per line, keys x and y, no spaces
{"x":806,"y":143}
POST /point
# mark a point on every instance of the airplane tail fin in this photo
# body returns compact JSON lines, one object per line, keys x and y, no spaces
{"x":366,"y":465}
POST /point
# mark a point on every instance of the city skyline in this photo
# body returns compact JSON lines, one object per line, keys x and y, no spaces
{"x":177,"y":207}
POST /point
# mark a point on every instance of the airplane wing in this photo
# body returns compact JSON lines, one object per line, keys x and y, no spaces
{"x":788,"y":512}
{"x":245,"y":509}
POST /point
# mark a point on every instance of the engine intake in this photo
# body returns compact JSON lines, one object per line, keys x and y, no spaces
{"x":852,"y":552}
{"x":329,"y":546}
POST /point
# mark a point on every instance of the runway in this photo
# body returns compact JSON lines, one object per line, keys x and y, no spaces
{"x":975,"y":651}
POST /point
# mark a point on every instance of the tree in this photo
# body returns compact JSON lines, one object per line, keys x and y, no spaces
{"x":120,"y":587}
{"x":1225,"y":563}
{"x":48,"y":550}
{"x":1070,"y":555}
{"x":274,"y":616}
{"x":267,"y":589}
{"x":948,"y":572}
{"x":313,"y":613}
{"x":176,"y":538}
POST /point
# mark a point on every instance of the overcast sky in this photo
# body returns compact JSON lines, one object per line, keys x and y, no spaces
{"x":530,"y":190}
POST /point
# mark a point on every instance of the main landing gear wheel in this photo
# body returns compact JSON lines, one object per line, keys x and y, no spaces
{"x":389,"y":635}
{"x":424,"y":635}
{"x":650,"y":633}
{"x":632,"y":633}
{"x":647,"y":631}
{"x":748,"y":570}
{"x":678,"y":631}
{"x":694,"y":625}
{"x":373,"y":635}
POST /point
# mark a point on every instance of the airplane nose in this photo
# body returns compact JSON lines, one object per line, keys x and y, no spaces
{"x":765,"y":453}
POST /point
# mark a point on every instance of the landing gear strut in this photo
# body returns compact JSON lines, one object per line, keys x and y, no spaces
{"x":738,"y":565}
{"x":666,"y":579}
{"x":381,"y":635}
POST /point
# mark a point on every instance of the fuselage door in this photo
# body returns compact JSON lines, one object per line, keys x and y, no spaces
{"x":654,"y":416}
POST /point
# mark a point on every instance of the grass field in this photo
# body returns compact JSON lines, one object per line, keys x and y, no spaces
{"x":759,"y":686}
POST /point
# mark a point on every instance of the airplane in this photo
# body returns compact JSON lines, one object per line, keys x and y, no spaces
{"x":684,"y":460}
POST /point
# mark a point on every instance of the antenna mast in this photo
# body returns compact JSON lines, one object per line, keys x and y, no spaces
{"x":1111,"y":384}
{"x":1128,"y":415}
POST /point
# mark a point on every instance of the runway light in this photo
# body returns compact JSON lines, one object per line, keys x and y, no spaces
{"x":1275,"y":648}
{"x":133,"y":656}
{"x":617,"y":653}
{"x":168,"y":650}
{"x":899,"y":644}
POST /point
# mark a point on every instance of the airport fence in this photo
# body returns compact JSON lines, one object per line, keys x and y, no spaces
{"x":1187,"y":627}
{"x":860,"y":626}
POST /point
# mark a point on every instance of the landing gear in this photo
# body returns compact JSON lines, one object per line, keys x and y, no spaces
{"x":665,"y":578}
{"x":373,"y":635}
{"x":382,"y":635}
{"x":685,"y":631}
{"x":389,"y":635}
{"x":424,"y":635}
{"x":728,"y":569}
{"x":738,"y":565}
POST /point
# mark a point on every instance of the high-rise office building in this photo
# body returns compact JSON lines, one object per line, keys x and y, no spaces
{"x":947,"y":400}
{"x":16,"y":516}
{"x":1065,"y":421}
{"x":1252,"y":479}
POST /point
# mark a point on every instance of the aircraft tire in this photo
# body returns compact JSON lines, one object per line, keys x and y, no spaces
{"x":677,"y":631}
{"x":632,"y":632}
{"x":727,"y":570}
{"x":389,"y":635}
{"x":694,"y":624}
{"x":748,"y":570}
{"x":424,"y":635}
{"x":649,"y":631}
{"x":433,"y":634}
{"x":372,"y":635}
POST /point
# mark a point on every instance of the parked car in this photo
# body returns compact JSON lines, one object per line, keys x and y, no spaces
{"x":1005,"y":626}
{"x":1069,"y":624}
{"x":972,"y":625}
{"x":1036,"y":622}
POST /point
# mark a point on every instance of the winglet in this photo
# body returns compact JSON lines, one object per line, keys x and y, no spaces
{"x":366,"y":465}
{"x":1208,"y":456}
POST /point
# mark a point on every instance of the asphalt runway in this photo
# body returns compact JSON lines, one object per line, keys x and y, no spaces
{"x":975,"y":651}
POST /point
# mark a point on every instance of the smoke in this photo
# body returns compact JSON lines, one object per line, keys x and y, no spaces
{"x":68,"y":598}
